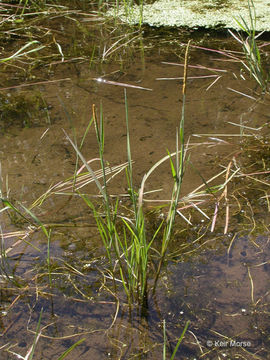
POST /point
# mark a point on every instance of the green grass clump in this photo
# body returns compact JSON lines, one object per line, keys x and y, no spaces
{"x":251,"y":49}
{"x":129,"y":247}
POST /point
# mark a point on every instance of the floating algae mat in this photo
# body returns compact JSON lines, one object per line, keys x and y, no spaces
{"x":194,"y":13}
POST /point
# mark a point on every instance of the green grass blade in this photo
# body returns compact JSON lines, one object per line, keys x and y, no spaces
{"x":129,"y":170}
{"x":172,"y":165}
{"x":48,"y":257}
{"x":20,"y":52}
{"x":70,"y":349}
{"x":9,"y":205}
{"x":36,"y":220}
{"x":37,"y":334}
{"x":164,"y":339}
{"x":180,"y":340}
{"x":155,"y":235}
{"x":87,"y":166}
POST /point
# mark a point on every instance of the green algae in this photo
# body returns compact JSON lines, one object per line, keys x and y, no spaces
{"x":23,"y":109}
{"x":195,"y":14}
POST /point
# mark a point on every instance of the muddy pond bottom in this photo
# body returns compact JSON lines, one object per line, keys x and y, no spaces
{"x":221,"y":291}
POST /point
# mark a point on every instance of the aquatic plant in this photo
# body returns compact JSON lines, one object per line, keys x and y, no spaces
{"x":131,"y":246}
{"x":250,"y":47}
{"x":21,"y":51}
{"x":178,"y":342}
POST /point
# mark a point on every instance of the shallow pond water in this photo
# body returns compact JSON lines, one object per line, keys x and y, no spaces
{"x":218,"y":282}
